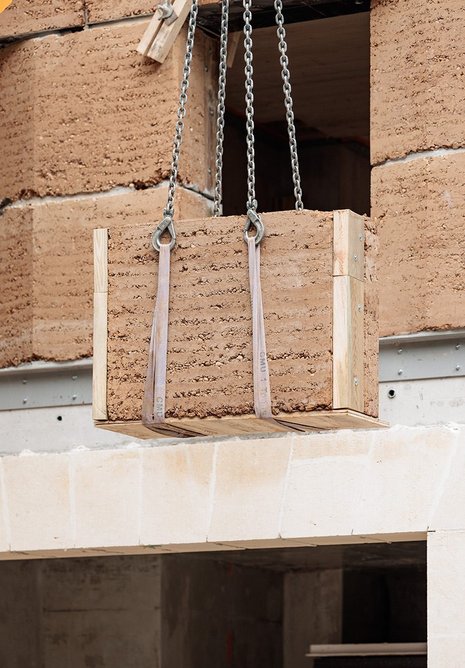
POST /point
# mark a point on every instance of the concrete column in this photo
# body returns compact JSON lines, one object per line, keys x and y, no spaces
{"x":76,"y":613}
{"x":220,"y":615}
{"x":446,"y":599}
{"x":19,"y":629}
{"x":312,"y":613}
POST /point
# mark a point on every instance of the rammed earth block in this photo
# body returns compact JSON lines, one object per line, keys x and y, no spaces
{"x":417,"y":76}
{"x":23,"y":17}
{"x":46,"y":269}
{"x":84,"y":112}
{"x":420,"y":207}
{"x":16,"y":287}
{"x":321,"y":323}
{"x":105,"y":10}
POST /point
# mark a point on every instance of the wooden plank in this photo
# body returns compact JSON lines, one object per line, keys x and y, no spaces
{"x":348,"y":343}
{"x":314,"y":421}
{"x":349,"y":240}
{"x":99,"y":373}
{"x":230,"y":426}
{"x":167,"y":34}
{"x":133,"y":429}
{"x":337,"y":419}
{"x":101,"y":260}
{"x":149,"y":35}
{"x":371,"y":312}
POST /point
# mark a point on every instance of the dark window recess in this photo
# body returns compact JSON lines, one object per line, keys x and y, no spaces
{"x":384,"y":606}
{"x":329,"y":62}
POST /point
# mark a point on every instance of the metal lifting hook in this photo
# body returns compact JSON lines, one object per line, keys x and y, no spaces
{"x":253,"y":219}
{"x":166,"y":225}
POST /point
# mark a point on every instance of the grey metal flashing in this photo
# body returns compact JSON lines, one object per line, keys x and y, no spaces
{"x":423,"y":355}
{"x":45,"y":384}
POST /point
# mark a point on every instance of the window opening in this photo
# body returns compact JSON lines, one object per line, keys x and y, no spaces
{"x":329,"y":63}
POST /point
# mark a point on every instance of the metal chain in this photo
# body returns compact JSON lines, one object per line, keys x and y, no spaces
{"x":286,"y":77}
{"x":182,"y":107}
{"x":221,"y":109}
{"x":168,"y":213}
{"x":249,"y":111}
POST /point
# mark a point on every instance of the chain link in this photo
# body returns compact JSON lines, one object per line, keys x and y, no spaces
{"x":249,"y":110}
{"x":286,"y":77}
{"x":221,"y":109}
{"x":169,"y":210}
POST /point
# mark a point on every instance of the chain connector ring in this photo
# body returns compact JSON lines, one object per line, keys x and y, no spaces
{"x":166,"y":225}
{"x":254,"y":220}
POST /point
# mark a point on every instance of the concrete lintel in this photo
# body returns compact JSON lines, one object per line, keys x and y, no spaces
{"x":314,"y":489}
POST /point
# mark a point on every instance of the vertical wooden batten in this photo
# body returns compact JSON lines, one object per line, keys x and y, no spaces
{"x":349,"y":244}
{"x":99,"y":376}
{"x":348,"y":311}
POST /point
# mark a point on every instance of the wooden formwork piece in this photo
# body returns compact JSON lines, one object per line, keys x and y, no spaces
{"x":321,"y":321}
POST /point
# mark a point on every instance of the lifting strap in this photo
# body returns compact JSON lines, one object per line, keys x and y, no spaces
{"x":261,"y":376}
{"x":153,"y":406}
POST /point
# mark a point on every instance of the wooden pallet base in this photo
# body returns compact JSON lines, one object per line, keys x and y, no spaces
{"x":230,"y":426}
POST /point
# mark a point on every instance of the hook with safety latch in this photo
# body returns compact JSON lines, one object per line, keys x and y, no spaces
{"x":254,"y":220}
{"x":166,"y":225}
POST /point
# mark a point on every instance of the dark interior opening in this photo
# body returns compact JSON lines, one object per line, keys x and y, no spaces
{"x":329,"y":64}
{"x":275,"y":603}
{"x":241,"y":608}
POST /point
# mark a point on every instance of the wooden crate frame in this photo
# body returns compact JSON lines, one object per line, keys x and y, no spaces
{"x":348,"y":352}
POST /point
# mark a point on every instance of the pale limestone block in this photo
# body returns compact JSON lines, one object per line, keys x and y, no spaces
{"x":323,"y":493}
{"x":176,"y":493}
{"x":362,"y":483}
{"x":337,"y":488}
{"x":448,"y":512}
{"x":446,"y":596}
{"x":107,"y":497}
{"x":38,"y":501}
{"x":4,"y":531}
{"x":402,"y":479}
{"x":249,"y":488}
{"x":447,"y":652}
